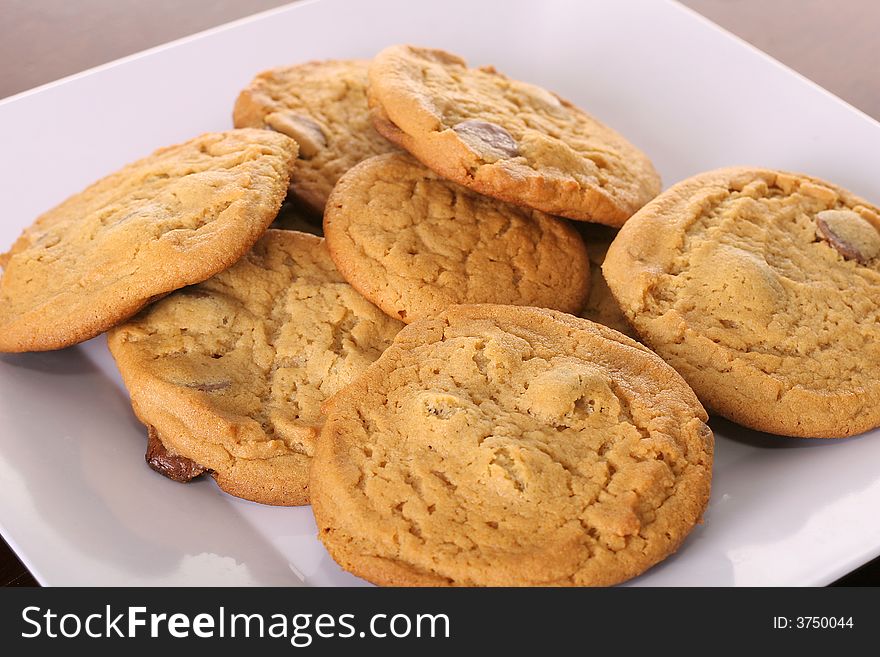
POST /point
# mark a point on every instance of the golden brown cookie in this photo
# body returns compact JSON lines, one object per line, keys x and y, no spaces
{"x":323,"y":106}
{"x":414,"y":243}
{"x":504,"y":445}
{"x":171,"y":219}
{"x":505,"y":138}
{"x":231,"y":373}
{"x":601,"y":305}
{"x":762,"y":288}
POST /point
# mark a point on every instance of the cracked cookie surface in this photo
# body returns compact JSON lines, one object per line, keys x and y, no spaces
{"x":232,"y":373}
{"x":323,"y":106}
{"x":169,"y":220}
{"x":414,"y":244}
{"x":508,"y":139}
{"x":762,"y":288}
{"x":502,"y":445}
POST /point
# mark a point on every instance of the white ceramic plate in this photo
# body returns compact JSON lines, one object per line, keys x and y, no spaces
{"x":77,"y":502}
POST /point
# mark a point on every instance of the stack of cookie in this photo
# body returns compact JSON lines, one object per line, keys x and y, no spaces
{"x":415,"y":367}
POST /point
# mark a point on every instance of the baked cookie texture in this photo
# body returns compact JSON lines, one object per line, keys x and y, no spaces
{"x":505,"y":138}
{"x":762,"y":288}
{"x":502,"y":445}
{"x":414,"y":243}
{"x":601,"y":305}
{"x":169,"y":220}
{"x":323,"y":106}
{"x":231,"y":373}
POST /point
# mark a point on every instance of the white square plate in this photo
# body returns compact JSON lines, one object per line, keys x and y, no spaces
{"x":77,"y":502}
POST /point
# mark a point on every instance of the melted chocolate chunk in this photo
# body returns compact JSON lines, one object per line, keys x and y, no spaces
{"x":487,"y":138}
{"x":304,"y":130}
{"x":178,"y":468}
{"x":850,"y":234}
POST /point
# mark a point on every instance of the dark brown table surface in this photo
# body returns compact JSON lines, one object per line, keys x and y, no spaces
{"x":832,"y":42}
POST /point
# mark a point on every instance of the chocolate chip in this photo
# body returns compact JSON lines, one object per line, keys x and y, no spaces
{"x":173,"y":466}
{"x":304,"y":130}
{"x":854,"y":237}
{"x":209,"y":387}
{"x":487,"y":139}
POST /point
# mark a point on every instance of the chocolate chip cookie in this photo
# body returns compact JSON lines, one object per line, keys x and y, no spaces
{"x":171,"y":219}
{"x":504,"y":446}
{"x":323,"y":106}
{"x":762,"y":288}
{"x":231,"y":374}
{"x":414,"y":243}
{"x":505,"y":138}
